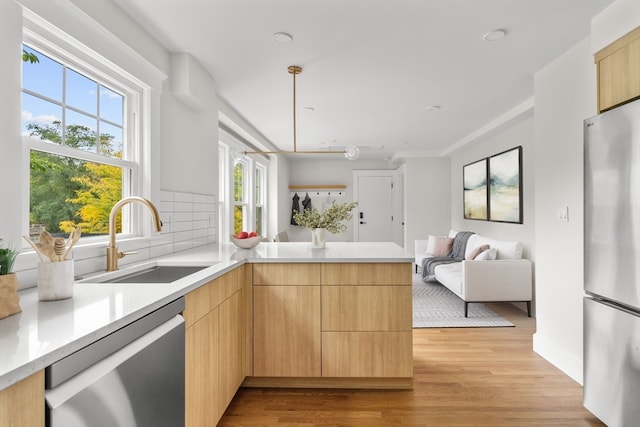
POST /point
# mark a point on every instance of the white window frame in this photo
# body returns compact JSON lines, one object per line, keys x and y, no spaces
{"x":260,"y":199}
{"x":52,"y":42}
{"x":232,"y":148}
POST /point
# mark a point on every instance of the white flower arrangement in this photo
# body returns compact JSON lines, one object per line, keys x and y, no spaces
{"x":331,"y":219}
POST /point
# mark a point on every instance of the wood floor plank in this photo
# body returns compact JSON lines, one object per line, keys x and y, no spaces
{"x":463,"y":377}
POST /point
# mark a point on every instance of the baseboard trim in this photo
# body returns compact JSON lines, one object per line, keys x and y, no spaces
{"x":323,"y":382}
{"x":558,"y":357}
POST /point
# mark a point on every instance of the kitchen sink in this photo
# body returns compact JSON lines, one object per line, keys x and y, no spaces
{"x":156,"y":274}
{"x":146,"y":274}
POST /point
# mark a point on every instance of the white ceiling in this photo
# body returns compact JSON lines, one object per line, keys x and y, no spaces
{"x":370,"y":67}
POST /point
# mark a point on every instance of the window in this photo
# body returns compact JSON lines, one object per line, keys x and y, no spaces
{"x":75,"y":125}
{"x":260,"y":196}
{"x":243,"y":188}
{"x":240,"y":211}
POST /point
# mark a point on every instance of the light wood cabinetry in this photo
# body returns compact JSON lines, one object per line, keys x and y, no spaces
{"x":286,"y":320}
{"x":366,"y":320}
{"x":22,"y":404}
{"x":343,"y":322}
{"x":215,"y":347}
{"x":618,"y":68}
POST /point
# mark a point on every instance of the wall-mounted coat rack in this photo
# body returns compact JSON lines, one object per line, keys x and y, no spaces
{"x":321,"y":190}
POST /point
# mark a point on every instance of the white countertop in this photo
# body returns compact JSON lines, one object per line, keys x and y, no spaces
{"x":45,"y":332}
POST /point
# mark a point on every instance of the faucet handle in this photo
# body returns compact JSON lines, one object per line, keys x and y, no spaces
{"x":122,"y":254}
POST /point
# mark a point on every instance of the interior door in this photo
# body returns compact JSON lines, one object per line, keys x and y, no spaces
{"x":374,"y":216}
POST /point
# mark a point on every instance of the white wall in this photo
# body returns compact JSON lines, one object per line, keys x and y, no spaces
{"x":322,"y":171}
{"x":565,"y":94}
{"x":427,"y":188}
{"x":518,"y":131}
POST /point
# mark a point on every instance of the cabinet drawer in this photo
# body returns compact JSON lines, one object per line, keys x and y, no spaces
{"x":366,"y":308}
{"x":367,"y":354}
{"x":367,"y":274}
{"x":286,"y":274}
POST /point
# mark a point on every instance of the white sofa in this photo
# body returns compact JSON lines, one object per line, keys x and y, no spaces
{"x":508,"y":277}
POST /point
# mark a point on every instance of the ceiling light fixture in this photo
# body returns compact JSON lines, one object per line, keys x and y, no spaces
{"x":282,"y":38}
{"x":350,"y":152}
{"x":494,"y":35}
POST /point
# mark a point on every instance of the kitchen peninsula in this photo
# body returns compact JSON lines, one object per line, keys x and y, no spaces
{"x":288,"y":316}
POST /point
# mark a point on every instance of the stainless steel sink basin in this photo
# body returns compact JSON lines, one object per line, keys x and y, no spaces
{"x":155,"y":274}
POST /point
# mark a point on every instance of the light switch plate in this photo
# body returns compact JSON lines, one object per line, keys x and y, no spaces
{"x":563,"y":214}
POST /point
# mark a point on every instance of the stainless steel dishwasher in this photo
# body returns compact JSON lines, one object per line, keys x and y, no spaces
{"x":133,"y":377}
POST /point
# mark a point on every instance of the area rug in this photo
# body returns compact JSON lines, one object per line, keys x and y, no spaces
{"x":435,"y":306}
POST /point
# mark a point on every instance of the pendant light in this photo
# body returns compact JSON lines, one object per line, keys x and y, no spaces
{"x":351,"y":152}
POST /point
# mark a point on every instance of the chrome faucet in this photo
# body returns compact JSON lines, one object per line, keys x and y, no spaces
{"x":112,"y":250}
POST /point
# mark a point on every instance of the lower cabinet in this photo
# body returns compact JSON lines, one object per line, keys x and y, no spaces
{"x":214,"y":348}
{"x":286,"y":326}
{"x":22,"y":404}
{"x":339,"y":322}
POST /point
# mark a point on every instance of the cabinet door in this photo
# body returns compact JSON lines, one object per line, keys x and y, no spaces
{"x":286,"y":331}
{"x":231,"y":349}
{"x":619,"y":71}
{"x":22,"y":404}
{"x":201,"y":369}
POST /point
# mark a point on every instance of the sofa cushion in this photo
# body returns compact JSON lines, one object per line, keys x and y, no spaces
{"x":450,"y":275}
{"x":477,"y":251}
{"x":506,"y":249}
{"x":488,"y":255}
{"x":439,"y":245}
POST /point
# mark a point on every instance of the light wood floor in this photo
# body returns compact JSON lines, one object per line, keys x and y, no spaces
{"x":463,"y":377}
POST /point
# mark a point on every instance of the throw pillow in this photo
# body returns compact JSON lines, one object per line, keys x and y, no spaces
{"x":474,"y":253}
{"x":488,"y":255}
{"x":431,"y":242}
{"x":442,"y":246}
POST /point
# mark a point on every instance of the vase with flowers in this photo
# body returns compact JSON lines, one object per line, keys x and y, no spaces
{"x":9,"y":299}
{"x":331,"y":220}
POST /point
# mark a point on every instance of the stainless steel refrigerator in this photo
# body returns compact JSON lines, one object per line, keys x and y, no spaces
{"x":612,"y":266}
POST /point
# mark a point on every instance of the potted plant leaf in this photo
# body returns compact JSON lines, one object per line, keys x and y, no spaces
{"x":9,"y":299}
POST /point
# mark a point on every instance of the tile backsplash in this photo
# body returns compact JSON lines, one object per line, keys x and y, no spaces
{"x":189,"y":220}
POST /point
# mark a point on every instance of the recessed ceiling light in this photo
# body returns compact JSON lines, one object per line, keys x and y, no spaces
{"x":494,"y":35}
{"x":308,"y":109}
{"x":433,"y":107}
{"x":282,"y":38}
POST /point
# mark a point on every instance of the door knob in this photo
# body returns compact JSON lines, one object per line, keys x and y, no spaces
{"x":362,"y":222}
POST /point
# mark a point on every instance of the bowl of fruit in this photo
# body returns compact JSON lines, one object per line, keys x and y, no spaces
{"x":246,"y":240}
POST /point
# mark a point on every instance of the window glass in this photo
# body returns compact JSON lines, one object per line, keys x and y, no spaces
{"x":34,"y":80}
{"x":238,"y":181}
{"x":111,"y":105}
{"x":70,"y":188}
{"x":239,"y":188}
{"x":65,"y":192}
{"x":81,"y":92}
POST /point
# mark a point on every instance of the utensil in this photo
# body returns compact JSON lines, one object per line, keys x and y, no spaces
{"x":59,"y":248}
{"x":73,"y":239}
{"x":46,"y":245}
{"x":35,"y":247}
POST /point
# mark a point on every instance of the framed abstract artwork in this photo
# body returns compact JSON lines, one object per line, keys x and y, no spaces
{"x":505,"y":186}
{"x":474,"y":177}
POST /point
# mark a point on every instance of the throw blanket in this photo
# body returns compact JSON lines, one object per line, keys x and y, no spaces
{"x":456,"y":254}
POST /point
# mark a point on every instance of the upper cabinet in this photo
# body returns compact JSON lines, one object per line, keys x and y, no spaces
{"x":618,"y":68}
